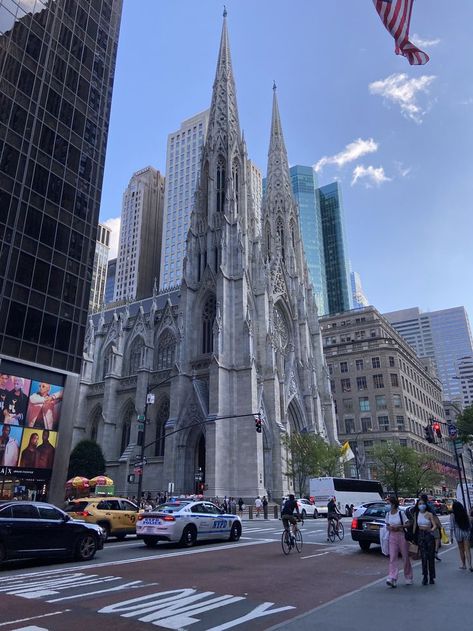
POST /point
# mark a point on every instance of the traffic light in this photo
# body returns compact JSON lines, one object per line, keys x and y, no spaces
{"x":429,"y":434}
{"x":437,"y":429}
{"x":258,"y":424}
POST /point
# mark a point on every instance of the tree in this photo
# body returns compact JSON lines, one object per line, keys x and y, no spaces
{"x":87,"y":460}
{"x":308,"y":455}
{"x":465,"y":425}
{"x":404,"y":471}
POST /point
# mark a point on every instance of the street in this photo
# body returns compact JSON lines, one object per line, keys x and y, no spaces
{"x":217,"y":586}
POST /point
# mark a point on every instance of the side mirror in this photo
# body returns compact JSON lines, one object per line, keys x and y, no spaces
{"x":66,"y":518}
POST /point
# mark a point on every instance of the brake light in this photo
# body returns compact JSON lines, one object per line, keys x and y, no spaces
{"x":168,"y":518}
{"x":140,"y":516}
{"x":84,"y":513}
{"x":354,"y":524}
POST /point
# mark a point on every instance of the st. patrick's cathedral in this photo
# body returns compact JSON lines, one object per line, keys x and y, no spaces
{"x":240,"y":337}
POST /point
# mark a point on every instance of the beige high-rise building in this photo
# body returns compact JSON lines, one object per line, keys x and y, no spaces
{"x":99,"y":271}
{"x":382,"y":390}
{"x":139,"y":249}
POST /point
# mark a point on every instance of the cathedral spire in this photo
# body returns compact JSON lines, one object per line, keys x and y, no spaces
{"x":223,"y":121}
{"x":278,"y":166}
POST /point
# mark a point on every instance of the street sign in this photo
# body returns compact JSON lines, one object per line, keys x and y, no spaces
{"x":452,"y":430}
{"x":458,"y":443}
{"x":141,"y":427}
{"x":150,"y":398}
{"x":140,"y":417}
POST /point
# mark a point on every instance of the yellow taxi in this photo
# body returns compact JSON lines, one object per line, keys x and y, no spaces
{"x":116,"y":515}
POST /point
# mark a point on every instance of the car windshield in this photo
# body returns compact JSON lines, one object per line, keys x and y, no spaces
{"x":171,"y":507}
{"x":76,"y":507}
{"x":378,"y":511}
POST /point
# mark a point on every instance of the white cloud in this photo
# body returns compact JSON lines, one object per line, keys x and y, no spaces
{"x":114,"y":225}
{"x":403,"y":91}
{"x":419,"y":41}
{"x":401,"y":169}
{"x":371,"y":175}
{"x":352,"y":151}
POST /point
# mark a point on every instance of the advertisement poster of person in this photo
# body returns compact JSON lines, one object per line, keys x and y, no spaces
{"x":14,"y":393}
{"x":44,"y":406}
{"x":37,"y":449}
{"x":10,"y":441}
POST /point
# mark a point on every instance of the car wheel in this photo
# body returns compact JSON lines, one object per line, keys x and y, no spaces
{"x":86,"y":548}
{"x":303,"y":514}
{"x":3,"y":553}
{"x":364,"y":545}
{"x":106,"y":530}
{"x":316,"y":513}
{"x":189,"y":536}
{"x":151,"y":542}
{"x":235,"y":532}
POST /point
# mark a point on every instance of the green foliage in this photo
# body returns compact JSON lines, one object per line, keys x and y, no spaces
{"x":404,"y":471}
{"x":308,"y":456}
{"x":464,"y":423}
{"x":87,"y":460}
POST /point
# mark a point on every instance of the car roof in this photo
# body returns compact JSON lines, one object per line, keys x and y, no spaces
{"x":99,"y":498}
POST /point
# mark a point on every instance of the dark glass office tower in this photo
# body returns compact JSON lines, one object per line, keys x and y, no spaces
{"x":57,"y":61}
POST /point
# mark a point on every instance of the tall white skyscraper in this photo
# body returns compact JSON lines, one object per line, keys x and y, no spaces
{"x":99,"y":271}
{"x":465,"y":377}
{"x":139,"y":249}
{"x":184,"y":150}
{"x":359,"y":298}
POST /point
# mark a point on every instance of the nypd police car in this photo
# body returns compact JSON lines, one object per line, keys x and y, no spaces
{"x":187,"y":521}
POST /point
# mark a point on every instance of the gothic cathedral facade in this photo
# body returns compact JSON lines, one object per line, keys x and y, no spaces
{"x":239,"y":338}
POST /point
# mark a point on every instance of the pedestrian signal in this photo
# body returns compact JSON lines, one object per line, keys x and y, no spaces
{"x":258,"y":424}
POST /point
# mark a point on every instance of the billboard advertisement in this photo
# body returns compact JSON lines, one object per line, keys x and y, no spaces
{"x":30,"y":415}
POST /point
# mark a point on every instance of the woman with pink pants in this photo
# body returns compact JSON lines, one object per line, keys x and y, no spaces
{"x":395,"y":523}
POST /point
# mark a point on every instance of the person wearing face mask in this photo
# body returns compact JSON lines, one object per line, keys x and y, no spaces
{"x":425,"y":525}
{"x":395,"y":522}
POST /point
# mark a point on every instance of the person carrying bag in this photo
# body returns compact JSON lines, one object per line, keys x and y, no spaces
{"x":395,"y":524}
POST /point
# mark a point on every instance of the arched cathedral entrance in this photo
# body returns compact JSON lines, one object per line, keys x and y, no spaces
{"x":200,"y":465}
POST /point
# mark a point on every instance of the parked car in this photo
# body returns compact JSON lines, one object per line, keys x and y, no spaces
{"x":440,"y":506}
{"x":115,"y":515}
{"x":186,"y":522}
{"x":305,"y":507}
{"x":359,"y":510}
{"x":365,"y":527}
{"x":38,"y":529}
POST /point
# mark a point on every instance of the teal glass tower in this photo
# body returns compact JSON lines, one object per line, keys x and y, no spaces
{"x":337,"y":271}
{"x":304,"y":188}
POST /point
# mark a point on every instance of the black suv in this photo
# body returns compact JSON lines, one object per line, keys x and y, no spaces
{"x":37,"y":529}
{"x":365,"y":527}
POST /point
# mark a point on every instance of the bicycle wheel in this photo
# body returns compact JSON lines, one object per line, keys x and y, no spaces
{"x":331,"y":532}
{"x":340,"y":531}
{"x":286,"y":542}
{"x":298,"y":540}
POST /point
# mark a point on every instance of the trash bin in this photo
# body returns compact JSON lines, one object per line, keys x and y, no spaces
{"x":250,"y":512}
{"x":276,"y":510}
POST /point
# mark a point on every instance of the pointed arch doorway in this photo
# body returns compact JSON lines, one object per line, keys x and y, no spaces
{"x":199,"y":476}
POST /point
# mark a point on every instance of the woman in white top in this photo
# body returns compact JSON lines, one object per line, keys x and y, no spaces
{"x":395,"y":523}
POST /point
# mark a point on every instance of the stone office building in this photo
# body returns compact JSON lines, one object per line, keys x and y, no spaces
{"x":382,"y":390}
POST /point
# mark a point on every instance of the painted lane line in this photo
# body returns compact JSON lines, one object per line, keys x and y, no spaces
{"x":44,"y":615}
{"x":311,"y":556}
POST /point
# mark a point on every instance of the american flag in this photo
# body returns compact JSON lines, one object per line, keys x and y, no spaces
{"x":396,"y":17}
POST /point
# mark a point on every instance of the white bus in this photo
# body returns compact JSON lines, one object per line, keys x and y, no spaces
{"x":345,"y":490}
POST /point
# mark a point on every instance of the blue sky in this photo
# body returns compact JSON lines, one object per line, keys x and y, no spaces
{"x":398,"y":137}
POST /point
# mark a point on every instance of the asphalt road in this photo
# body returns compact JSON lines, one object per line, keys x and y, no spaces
{"x":212,"y":587}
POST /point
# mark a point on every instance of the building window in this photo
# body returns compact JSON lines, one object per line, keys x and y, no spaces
{"x":394,"y":380}
{"x":135,"y":356}
{"x":391,"y":362}
{"x":348,"y":405}
{"x":397,"y":400}
{"x":381,"y":402}
{"x":330,"y":369}
{"x":346,"y":385}
{"x":375,"y":363}
{"x":366,"y":425}
{"x":378,"y":381}
{"x":332,"y":385}
{"x":361,"y":383}
{"x":349,"y":426}
{"x":166,"y":350}
{"x":343,"y":367}
{"x":220,"y":185}
{"x":208,"y":318}
{"x":364,"y":404}
{"x":403,"y":442}
{"x":368,"y":444}
{"x":161,"y":420}
{"x":359,"y":364}
{"x":383,"y":422}
{"x":400,"y":423}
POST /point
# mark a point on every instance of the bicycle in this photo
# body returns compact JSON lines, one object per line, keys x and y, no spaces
{"x":291,"y":539}
{"x":335,"y":529}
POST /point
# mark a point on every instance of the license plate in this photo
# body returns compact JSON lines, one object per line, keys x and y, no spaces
{"x":373,"y":526}
{"x":151,"y":522}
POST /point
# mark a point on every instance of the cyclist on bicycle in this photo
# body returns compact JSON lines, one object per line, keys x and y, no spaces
{"x":332,"y":514}
{"x":287,"y":513}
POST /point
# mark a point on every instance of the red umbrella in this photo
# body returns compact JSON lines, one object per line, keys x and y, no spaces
{"x":78,"y":482}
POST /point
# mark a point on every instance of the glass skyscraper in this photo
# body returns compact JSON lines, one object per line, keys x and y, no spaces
{"x":337,"y":270}
{"x":304,"y":188}
{"x":57,"y":62}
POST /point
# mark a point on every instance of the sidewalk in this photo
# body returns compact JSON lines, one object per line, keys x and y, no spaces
{"x":447,"y":604}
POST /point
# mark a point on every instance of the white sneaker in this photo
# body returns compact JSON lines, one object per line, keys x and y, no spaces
{"x":409,"y":581}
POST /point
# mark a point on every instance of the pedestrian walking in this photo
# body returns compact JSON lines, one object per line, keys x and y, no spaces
{"x":395,"y":523}
{"x":424,"y":526}
{"x":241,"y":503}
{"x":258,"y":506}
{"x":438,"y":526}
{"x":264,"y":501}
{"x":460,"y":526}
